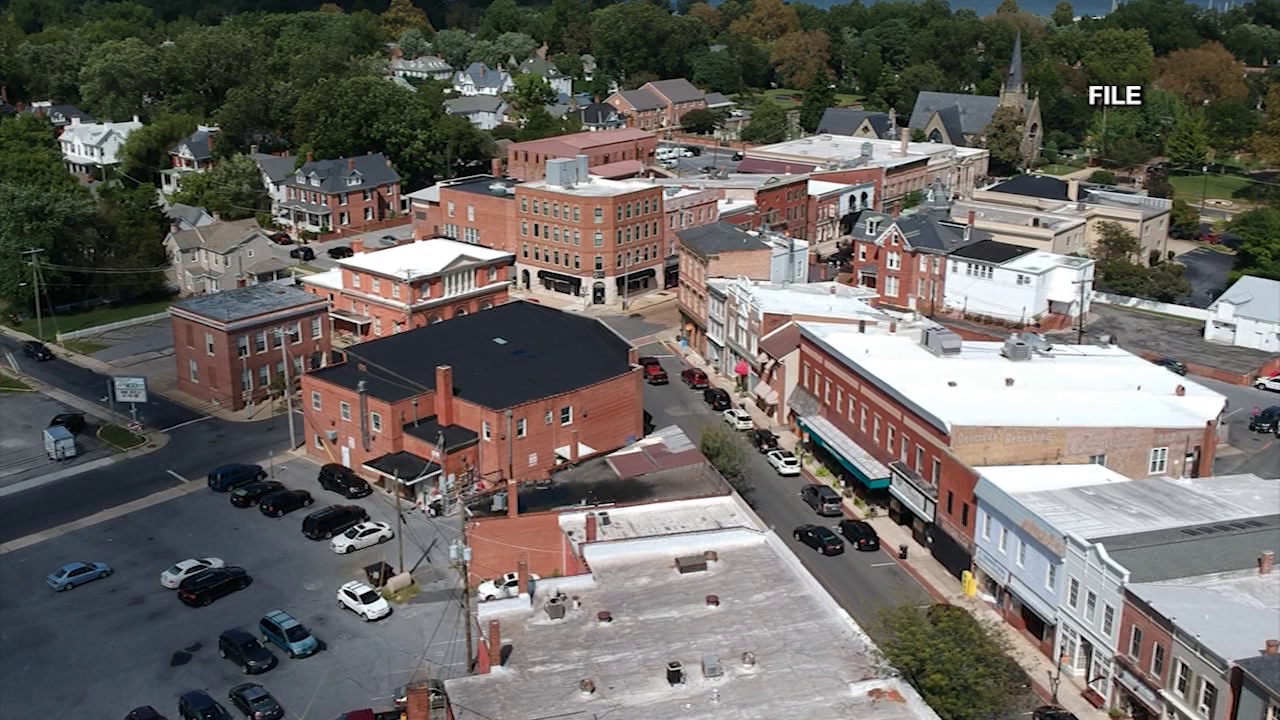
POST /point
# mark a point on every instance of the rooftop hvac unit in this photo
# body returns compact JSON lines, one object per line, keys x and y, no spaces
{"x":1016,"y":349}
{"x":941,"y":342}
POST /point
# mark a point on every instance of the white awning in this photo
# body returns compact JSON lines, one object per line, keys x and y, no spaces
{"x":765,"y":392}
{"x":583,"y":451}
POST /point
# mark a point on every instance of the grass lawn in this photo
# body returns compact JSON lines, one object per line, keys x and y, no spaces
{"x":788,"y":98}
{"x":13,"y":384}
{"x":84,"y":347}
{"x":1220,"y":187}
{"x":120,"y":438}
{"x":93,"y":318}
{"x":1056,"y":169}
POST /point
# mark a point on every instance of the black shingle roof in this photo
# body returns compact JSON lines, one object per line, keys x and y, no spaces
{"x":507,"y":356}
{"x":368,"y":171}
{"x":721,"y":237}
{"x":992,"y":251}
{"x":1039,"y":186}
{"x":844,"y":121}
{"x":455,"y":436}
{"x":1265,"y":669}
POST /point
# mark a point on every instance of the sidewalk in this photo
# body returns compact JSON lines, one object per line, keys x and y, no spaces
{"x":919,"y":562}
{"x":569,"y":303}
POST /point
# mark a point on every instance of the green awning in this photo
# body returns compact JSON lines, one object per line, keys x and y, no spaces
{"x":870,"y":472}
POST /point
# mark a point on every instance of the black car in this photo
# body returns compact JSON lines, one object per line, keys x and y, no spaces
{"x":1052,"y":712}
{"x":36,"y":351}
{"x":763,"y":440}
{"x":197,"y":705}
{"x":230,"y":477}
{"x":739,"y":155}
{"x":325,"y":523}
{"x":820,"y":538}
{"x":1266,"y":421}
{"x":860,"y":534}
{"x":1174,"y":366}
{"x":248,"y":495}
{"x":245,"y":651}
{"x":342,"y":480}
{"x":255,"y":702}
{"x":695,"y":149}
{"x":340,"y":252}
{"x":146,"y":712}
{"x":717,"y":398}
{"x":302,"y":253}
{"x":73,"y":422}
{"x":205,"y":587}
{"x":279,"y":504}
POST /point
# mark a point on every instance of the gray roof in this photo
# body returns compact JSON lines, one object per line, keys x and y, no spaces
{"x":198,"y":143}
{"x":1013,"y":78}
{"x":921,"y":230}
{"x":1254,"y":297}
{"x":60,"y":114}
{"x":598,"y":114}
{"x":716,"y":100}
{"x":721,"y":237}
{"x":484,"y":76}
{"x":1037,"y":186}
{"x":1176,"y":553}
{"x":188,"y":216}
{"x":677,"y":90}
{"x":844,"y":121}
{"x":643,"y":99}
{"x":542,"y":68}
{"x":275,"y":167}
{"x":471,"y":104}
{"x":246,"y":302}
{"x":967,"y":114}
{"x":370,"y":171}
{"x":426,"y":63}
{"x":1265,"y":669}
{"x":220,"y":237}
{"x":1231,"y":614}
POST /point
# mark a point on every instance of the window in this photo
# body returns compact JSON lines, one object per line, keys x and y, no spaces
{"x":1051,"y":577}
{"x":599,"y":216}
{"x":937,"y":470}
{"x":891,"y":286}
{"x":315,"y":400}
{"x":920,"y":459}
{"x":471,"y":213}
{"x":344,"y":409}
{"x":1182,"y":677}
{"x":194,"y":371}
{"x":355,"y":279}
{"x":524,"y":227}
{"x":1135,"y":642}
{"x":875,"y":432}
{"x":246,"y":381}
{"x":1004,"y":539}
{"x":484,"y":430}
{"x":242,"y":346}
{"x":1098,"y":460}
{"x":1159,"y":461}
{"x":524,"y":204}
{"x":1073,"y":593}
{"x":1090,"y":605}
{"x":1157,"y":659}
{"x":964,"y":515}
{"x":375,"y":422}
{"x":522,"y":428}
{"x":986,"y":527}
{"x":1208,"y":698}
{"x":377,"y":286}
{"x":295,"y":333}
{"x":547,"y":418}
{"x":862,"y":418}
{"x":566,"y":415}
{"x":319,"y":443}
{"x":264,"y":377}
{"x":598,"y":240}
{"x":894,"y":261}
{"x":950,"y":501}
{"x":1108,"y":619}
{"x":1022,"y":555}
{"x":260,"y":342}
{"x":449,"y":207}
{"x":317,"y":328}
{"x":208,"y":343}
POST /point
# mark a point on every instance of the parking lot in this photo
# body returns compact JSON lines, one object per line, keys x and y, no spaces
{"x":372,"y":240}
{"x":114,"y":644}
{"x":22,"y":454}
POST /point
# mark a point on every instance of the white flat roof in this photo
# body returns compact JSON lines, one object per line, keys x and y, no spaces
{"x":842,"y":147}
{"x":329,"y":279}
{"x":596,"y":187}
{"x":1232,"y":613}
{"x":1067,"y":386}
{"x":776,"y":645}
{"x":667,"y":518}
{"x":1016,"y":479}
{"x":430,"y":193}
{"x":822,"y":187}
{"x":729,"y":206}
{"x":1039,"y":261}
{"x":811,"y":299}
{"x":421,"y":258}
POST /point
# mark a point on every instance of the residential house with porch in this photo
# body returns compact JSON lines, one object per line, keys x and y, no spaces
{"x":560,"y":83}
{"x":223,"y":255}
{"x":276,"y":171}
{"x":193,"y":153}
{"x":340,"y":194}
{"x":92,"y":149}
{"x":480,"y":79}
{"x":486,"y":112}
{"x":427,"y":67}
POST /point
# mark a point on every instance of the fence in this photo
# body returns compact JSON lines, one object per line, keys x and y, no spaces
{"x":99,"y":329}
{"x":1181,"y":311}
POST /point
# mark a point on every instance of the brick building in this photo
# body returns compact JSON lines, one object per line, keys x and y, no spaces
{"x":685,"y":208}
{"x":1143,"y":657}
{"x":778,"y":202}
{"x":913,"y":413}
{"x":623,"y":152}
{"x":478,"y":210}
{"x":340,"y":194}
{"x":412,"y":285}
{"x":712,"y":251}
{"x":235,"y":347}
{"x":658,"y":104}
{"x":512,"y":393}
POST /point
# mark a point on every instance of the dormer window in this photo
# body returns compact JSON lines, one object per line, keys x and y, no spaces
{"x":873,"y":226}
{"x":315,"y":180}
{"x":302,"y":178}
{"x":353,"y":181}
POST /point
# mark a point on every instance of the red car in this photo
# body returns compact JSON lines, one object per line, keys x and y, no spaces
{"x":655,"y":375}
{"x":281,"y":238}
{"x":694,"y":378}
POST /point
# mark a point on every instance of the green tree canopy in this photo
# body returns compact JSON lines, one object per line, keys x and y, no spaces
{"x":232,"y":188}
{"x":530,"y":91}
{"x":121,"y":78}
{"x":701,"y":121}
{"x":1118,"y":57}
{"x":1259,"y":254}
{"x":146,"y":151}
{"x":768,"y":124}
{"x":724,"y":450}
{"x":1188,"y":145}
{"x":1004,"y":140}
{"x":817,"y":98}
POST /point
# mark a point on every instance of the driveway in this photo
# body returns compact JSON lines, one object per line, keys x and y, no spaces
{"x":1207,"y":272}
{"x":372,"y":240}
{"x":22,"y":453}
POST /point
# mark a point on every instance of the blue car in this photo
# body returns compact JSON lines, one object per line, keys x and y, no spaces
{"x":281,"y":628}
{"x":77,"y":573}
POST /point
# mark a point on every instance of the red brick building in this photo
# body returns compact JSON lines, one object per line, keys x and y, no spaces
{"x":685,"y":208}
{"x":781,"y":202}
{"x":620,"y":153}
{"x":478,"y":210}
{"x":1143,"y":657}
{"x":715,"y":251}
{"x":236,"y":347}
{"x":340,"y":194}
{"x":904,"y":258}
{"x":913,"y":413}
{"x":408,"y":286}
{"x":510,"y":393}
{"x":658,"y":104}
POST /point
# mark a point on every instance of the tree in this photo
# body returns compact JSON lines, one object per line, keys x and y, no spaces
{"x":636,"y":37}
{"x":1167,"y":282}
{"x":1184,"y":218}
{"x":1118,"y":57}
{"x":1063,"y":14}
{"x":516,"y":45}
{"x":769,"y":20}
{"x":232,"y":188}
{"x":817,"y":98}
{"x":205,"y":64}
{"x":133,"y":233}
{"x":414,"y":43}
{"x":257,"y":113}
{"x":1259,"y":254}
{"x":454,"y":46}
{"x":146,"y":150}
{"x":1171,"y":24}
{"x":1103,"y":177}
{"x":1266,"y":141}
{"x":957,"y":663}
{"x":530,"y":91}
{"x":1008,"y":7}
{"x":1115,"y":243}
{"x":718,"y":72}
{"x":1004,"y":140}
{"x":1209,"y":72}
{"x":402,"y":16}
{"x":120,"y":79}
{"x":1158,"y":183}
{"x":52,"y":69}
{"x":539,"y":124}
{"x":1188,"y":146}
{"x":700,"y":121}
{"x":724,"y":451}
{"x":708,"y":15}
{"x":1231,"y":124}
{"x":801,"y":58}
{"x":768,"y":124}
{"x":502,"y":16}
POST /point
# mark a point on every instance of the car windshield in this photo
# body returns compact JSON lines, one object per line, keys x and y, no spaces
{"x":369,"y":598}
{"x":297,"y":633}
{"x":175,"y":570}
{"x":352,"y":533}
{"x":250,"y":646}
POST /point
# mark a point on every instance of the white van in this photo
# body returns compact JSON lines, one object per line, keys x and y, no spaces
{"x":668,"y":153}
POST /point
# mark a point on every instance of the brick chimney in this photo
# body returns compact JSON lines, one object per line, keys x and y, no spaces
{"x":896,"y":209}
{"x":513,"y":497}
{"x":591,"y":527}
{"x":522,"y":575}
{"x":495,"y":644}
{"x":1266,"y":562}
{"x":973,"y":217}
{"x":1273,"y":647}
{"x":444,"y":395}
{"x":418,"y":702}
{"x":1073,"y":190}
{"x":902,"y":144}
{"x":310,"y":156}
{"x":357,"y":246}
{"x":351,"y":163}
{"x":573,"y":447}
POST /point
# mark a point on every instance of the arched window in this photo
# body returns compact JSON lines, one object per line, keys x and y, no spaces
{"x":459,"y":312}
{"x":435,"y":319}
{"x":486,"y":305}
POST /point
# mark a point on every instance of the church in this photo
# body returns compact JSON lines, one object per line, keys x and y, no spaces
{"x":959,"y":119}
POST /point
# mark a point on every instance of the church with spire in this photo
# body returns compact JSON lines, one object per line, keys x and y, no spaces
{"x":959,"y":119}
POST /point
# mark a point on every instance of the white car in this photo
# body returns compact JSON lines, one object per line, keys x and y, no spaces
{"x":1268,"y":383}
{"x":738,"y":419}
{"x":363,"y":601}
{"x":506,"y":586}
{"x":174,"y":576}
{"x":784,"y":462}
{"x":361,"y":536}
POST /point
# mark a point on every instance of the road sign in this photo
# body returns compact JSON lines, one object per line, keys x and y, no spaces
{"x":130,"y":389}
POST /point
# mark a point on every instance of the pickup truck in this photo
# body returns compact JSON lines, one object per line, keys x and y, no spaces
{"x":655,"y":375}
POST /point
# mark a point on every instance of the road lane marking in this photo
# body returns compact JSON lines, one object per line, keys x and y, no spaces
{"x":884,"y":564}
{"x":99,"y":517}
{"x":178,"y":476}
{"x":189,"y":422}
{"x":35,"y":482}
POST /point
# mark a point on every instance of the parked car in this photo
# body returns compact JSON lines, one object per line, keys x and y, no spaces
{"x":504,"y":587}
{"x":36,"y":351}
{"x":692,"y":150}
{"x":1268,"y":383}
{"x":174,"y":576}
{"x":197,"y":705}
{"x":860,"y":534}
{"x":787,"y":464}
{"x":646,"y":361}
{"x":1052,"y":712}
{"x":341,"y":252}
{"x":343,"y":480}
{"x":359,"y":537}
{"x":655,"y":375}
{"x":279,"y":504}
{"x":245,"y":651}
{"x":146,"y":712}
{"x":255,"y":702}
{"x":763,"y":440}
{"x":282,"y":629}
{"x":280,"y":238}
{"x":230,"y":477}
{"x":73,"y":422}
{"x":332,"y":520}
{"x":203,"y":588}
{"x":389,"y":240}
{"x":738,"y":419}
{"x":363,"y":601}
{"x":738,"y":156}
{"x":822,"y":499}
{"x":1174,"y":366}
{"x":303,"y":253}
{"x":694,"y":378}
{"x":73,"y":575}
{"x":249,"y":495}
{"x":717,"y":398}
{"x":1266,"y":421}
{"x":820,"y":538}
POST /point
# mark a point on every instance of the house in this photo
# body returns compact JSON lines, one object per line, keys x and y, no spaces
{"x":832,"y":206}
{"x":223,"y":255}
{"x":192,"y":154}
{"x":503,"y":395}
{"x":60,"y":114}
{"x":238,"y":348}
{"x":623,"y":152}
{"x":904,"y":258}
{"x":408,"y":286}
{"x":486,"y":112}
{"x":588,"y":67}
{"x":92,"y":148}
{"x":562,"y":84}
{"x":427,"y":67}
{"x":599,"y":116}
{"x":658,"y":104}
{"x":185,"y":217}
{"x":1255,"y":684}
{"x":715,"y":250}
{"x":989,"y":279}
{"x":1246,"y":315}
{"x":480,"y":79}
{"x":859,"y":123}
{"x":340,"y":194}
{"x":962,"y":120}
{"x":276,"y":169}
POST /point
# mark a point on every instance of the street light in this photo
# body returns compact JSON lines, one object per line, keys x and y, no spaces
{"x":288,"y":385}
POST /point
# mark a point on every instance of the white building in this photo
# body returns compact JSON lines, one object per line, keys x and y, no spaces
{"x":276,"y":170}
{"x":992,"y":279}
{"x":1246,"y":315}
{"x":90,"y":148}
{"x":428,"y":67}
{"x":480,"y":79}
{"x":486,"y":112}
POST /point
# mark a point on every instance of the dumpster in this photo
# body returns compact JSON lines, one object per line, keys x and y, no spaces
{"x":59,"y":443}
{"x":379,"y":573}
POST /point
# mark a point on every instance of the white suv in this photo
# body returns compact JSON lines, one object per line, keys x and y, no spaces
{"x":1268,"y":383}
{"x":738,"y":419}
{"x":363,"y":601}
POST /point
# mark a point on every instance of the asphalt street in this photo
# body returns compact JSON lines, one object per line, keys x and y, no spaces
{"x":1261,"y":451}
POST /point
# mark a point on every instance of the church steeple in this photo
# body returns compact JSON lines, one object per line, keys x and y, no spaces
{"x":1014,"y":90}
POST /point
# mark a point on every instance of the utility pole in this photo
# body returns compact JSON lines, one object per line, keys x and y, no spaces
{"x":34,"y":253}
{"x":1084,"y":284}
{"x":399,"y":520}
{"x":288,"y":387}
{"x":464,"y":560}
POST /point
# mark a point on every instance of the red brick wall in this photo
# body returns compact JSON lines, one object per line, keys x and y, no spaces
{"x":1267,"y":370}
{"x":1135,"y":614}
{"x":494,"y":218}
{"x":784,"y":207}
{"x":527,"y":161}
{"x":752,"y":264}
{"x":498,"y":544}
{"x":648,"y":251}
{"x":920,"y":290}
{"x":856,"y":176}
